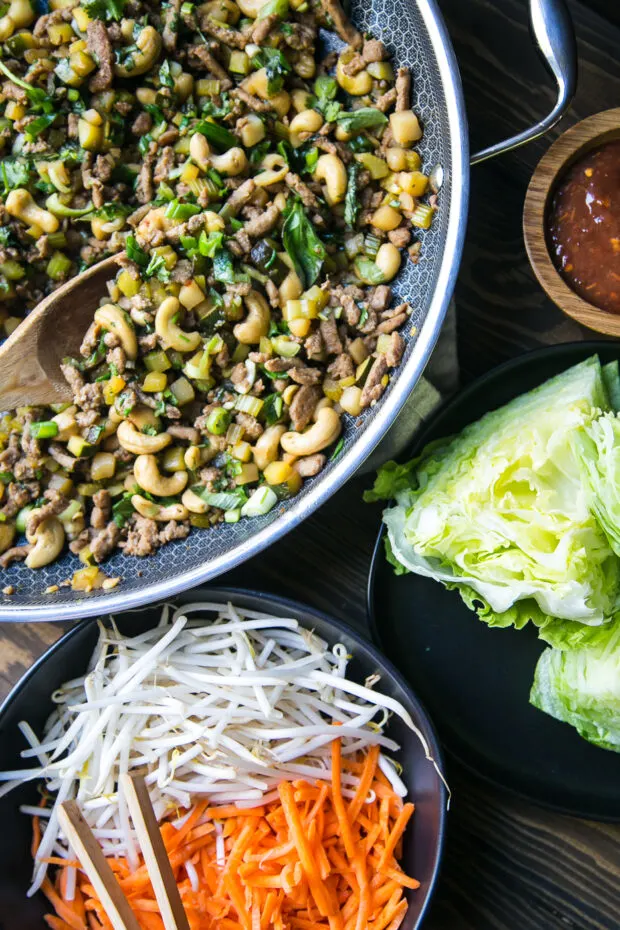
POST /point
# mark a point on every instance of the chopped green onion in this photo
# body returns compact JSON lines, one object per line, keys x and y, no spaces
{"x":261,"y":501}
{"x":44,"y":429}
{"x":285,"y":346}
{"x":223,"y":500}
{"x":58,"y":266}
{"x":181,"y":211}
{"x":232,"y":516}
{"x":218,"y":420}
{"x":22,"y":518}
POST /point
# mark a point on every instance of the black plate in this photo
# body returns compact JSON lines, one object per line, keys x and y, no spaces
{"x":30,"y":700}
{"x":474,"y":680}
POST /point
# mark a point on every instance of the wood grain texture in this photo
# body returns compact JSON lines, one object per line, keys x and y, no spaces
{"x":574,"y":143}
{"x":86,"y":847}
{"x":508,"y":865}
{"x":30,"y":358}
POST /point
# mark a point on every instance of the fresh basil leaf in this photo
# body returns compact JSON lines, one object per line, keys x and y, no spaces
{"x":302,"y":244}
{"x":364,"y":118}
{"x":216,"y":135}
{"x":351,"y":201}
{"x":276,"y":67}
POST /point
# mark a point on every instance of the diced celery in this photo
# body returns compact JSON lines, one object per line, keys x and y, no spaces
{"x":285,"y":346}
{"x":157,"y":361}
{"x":261,"y":501}
{"x":247,"y":403}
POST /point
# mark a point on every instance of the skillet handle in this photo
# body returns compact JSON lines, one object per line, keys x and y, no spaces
{"x":553,"y":31}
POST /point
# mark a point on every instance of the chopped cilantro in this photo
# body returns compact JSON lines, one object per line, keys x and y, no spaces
{"x":107,"y":10}
{"x":135,"y":253}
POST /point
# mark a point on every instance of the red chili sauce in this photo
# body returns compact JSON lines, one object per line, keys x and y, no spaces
{"x":584,"y":227}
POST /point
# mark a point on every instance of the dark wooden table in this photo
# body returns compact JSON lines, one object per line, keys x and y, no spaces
{"x":508,"y":865}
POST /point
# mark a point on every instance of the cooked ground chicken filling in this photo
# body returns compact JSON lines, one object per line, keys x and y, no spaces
{"x":262,"y":199}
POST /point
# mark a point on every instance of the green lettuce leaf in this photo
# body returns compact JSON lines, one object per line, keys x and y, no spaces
{"x":599,"y":452}
{"x":502,"y":512}
{"x":581,"y":686}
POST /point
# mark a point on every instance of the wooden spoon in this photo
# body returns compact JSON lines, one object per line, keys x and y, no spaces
{"x":30,"y":358}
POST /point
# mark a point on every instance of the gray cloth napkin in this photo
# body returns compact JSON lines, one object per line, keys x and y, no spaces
{"x":440,"y":379}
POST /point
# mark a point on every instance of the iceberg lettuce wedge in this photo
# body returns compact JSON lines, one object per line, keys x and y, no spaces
{"x":581,"y":685}
{"x":501,"y":511}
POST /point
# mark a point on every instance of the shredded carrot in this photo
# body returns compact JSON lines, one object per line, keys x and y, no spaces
{"x":307,"y":860}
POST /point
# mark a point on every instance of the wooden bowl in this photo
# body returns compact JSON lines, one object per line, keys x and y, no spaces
{"x":590,"y":133}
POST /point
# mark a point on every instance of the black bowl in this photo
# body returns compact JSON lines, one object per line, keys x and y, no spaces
{"x":30,"y":700}
{"x":475,"y":680}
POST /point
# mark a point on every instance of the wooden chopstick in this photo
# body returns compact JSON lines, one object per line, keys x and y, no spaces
{"x":155,"y":856}
{"x":92,"y":860}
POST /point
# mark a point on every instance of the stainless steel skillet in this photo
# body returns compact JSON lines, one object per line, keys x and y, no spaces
{"x":416,"y":34}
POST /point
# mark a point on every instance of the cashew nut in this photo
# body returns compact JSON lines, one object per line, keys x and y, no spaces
{"x":306,"y":121}
{"x":150,"y":479}
{"x":171,"y":335}
{"x":331,"y":169}
{"x":48,"y":539}
{"x":193,"y":502}
{"x":291,"y":287}
{"x":7,"y":535}
{"x":251,"y":7}
{"x":388,"y":260}
{"x":281,"y":103}
{"x":112,"y":318}
{"x":275,"y":169}
{"x":148,"y":45}
{"x":355,"y":84}
{"x":256,"y":324}
{"x":231,"y":163}
{"x":142,"y":416}
{"x":257,"y":83}
{"x":20,"y":13}
{"x":266,"y":447}
{"x":251,"y":129}
{"x":225,"y":11}
{"x":199,"y":150}
{"x":321,"y":434}
{"x":156,"y":512}
{"x":20,"y":204}
{"x":140,"y":443}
